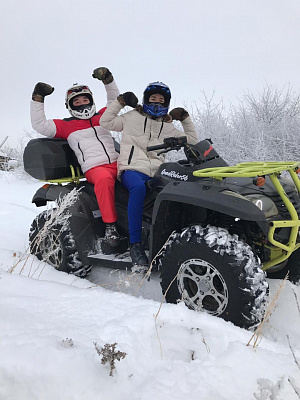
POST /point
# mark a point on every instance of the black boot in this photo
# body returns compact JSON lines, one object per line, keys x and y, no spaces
{"x":138,"y":255}
{"x":112,"y":236}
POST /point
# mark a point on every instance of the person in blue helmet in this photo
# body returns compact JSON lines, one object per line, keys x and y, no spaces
{"x":146,"y":125}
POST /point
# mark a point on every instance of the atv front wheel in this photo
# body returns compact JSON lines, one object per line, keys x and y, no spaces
{"x":55,"y":246}
{"x":213,"y":271}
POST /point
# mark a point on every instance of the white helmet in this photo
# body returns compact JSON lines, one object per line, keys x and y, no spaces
{"x":85,"y":111}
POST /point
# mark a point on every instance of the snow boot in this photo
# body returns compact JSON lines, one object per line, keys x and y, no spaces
{"x":112,"y":236}
{"x":138,"y":255}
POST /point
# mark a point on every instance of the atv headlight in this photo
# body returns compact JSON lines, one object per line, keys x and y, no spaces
{"x":264,"y":203}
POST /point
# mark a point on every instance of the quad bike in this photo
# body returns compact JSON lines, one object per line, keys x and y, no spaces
{"x":211,"y":230}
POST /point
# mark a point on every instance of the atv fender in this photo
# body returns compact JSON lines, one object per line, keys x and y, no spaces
{"x":208,"y":197}
{"x":49,"y":192}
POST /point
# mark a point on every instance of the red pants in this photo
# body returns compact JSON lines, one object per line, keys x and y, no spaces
{"x":103,"y":178}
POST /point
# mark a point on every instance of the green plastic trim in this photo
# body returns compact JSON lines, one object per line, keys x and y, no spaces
{"x":272,"y":169}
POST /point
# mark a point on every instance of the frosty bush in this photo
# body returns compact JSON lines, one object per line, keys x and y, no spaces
{"x":6,"y":161}
{"x":263,"y":126}
{"x":11,"y":156}
{"x":109,"y":355}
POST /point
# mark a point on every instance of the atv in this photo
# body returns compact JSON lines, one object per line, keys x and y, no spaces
{"x":213,"y":231}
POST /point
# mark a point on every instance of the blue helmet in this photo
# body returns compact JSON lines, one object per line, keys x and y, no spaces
{"x":156,"y":109}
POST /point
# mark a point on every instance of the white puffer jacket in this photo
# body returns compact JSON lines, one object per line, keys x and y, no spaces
{"x":92,"y":144}
{"x":139,"y":132}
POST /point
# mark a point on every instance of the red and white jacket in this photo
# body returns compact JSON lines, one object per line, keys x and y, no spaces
{"x":92,"y":144}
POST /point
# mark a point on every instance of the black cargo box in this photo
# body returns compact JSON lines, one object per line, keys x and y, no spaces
{"x":48,"y":159}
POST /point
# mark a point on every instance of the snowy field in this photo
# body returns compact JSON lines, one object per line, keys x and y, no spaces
{"x":50,"y":322}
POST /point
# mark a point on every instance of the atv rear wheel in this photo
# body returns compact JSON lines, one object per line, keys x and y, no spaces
{"x":213,"y":271}
{"x":55,"y":246}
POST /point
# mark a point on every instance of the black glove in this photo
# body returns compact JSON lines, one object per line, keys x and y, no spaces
{"x":179,"y":113}
{"x":103,"y":74}
{"x":174,"y":142}
{"x":128,"y":99}
{"x":40,"y":91}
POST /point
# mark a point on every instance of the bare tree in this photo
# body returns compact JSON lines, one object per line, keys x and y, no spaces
{"x":263,"y":126}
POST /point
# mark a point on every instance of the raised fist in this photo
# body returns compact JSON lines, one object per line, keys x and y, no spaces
{"x":179,"y":113}
{"x":128,"y":99}
{"x":40,"y":91}
{"x":103,"y":74}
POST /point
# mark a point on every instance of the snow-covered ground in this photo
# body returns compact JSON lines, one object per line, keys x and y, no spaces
{"x":50,"y":322}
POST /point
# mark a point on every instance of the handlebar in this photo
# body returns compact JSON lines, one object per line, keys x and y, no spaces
{"x":157,"y":147}
{"x":171,"y":143}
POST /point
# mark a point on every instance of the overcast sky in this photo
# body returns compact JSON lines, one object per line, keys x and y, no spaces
{"x":226,"y":46}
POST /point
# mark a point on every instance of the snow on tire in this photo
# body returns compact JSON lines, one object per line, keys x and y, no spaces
{"x":55,"y":246}
{"x":213,"y":271}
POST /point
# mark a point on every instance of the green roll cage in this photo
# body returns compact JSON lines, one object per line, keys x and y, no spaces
{"x":273,"y":170}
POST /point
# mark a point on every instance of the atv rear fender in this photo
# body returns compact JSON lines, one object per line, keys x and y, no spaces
{"x":49,"y":193}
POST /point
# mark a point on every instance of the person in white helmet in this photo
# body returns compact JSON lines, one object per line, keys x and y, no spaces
{"x":92,"y":144}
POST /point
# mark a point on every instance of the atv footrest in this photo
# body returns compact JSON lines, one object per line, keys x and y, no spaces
{"x":114,"y":261}
{"x":111,"y":257}
{"x":120,"y":249}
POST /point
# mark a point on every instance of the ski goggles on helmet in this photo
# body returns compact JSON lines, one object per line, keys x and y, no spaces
{"x":77,"y":89}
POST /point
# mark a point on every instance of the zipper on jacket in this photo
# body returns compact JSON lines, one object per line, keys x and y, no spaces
{"x":145,"y":124}
{"x":81,"y":152}
{"x":162,"y":124}
{"x":130,"y":154}
{"x":109,"y":162}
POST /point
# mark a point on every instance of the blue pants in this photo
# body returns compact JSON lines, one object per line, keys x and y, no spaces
{"x":134,"y":182}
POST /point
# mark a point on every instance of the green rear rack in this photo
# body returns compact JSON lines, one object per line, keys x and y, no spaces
{"x":74,"y":178}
